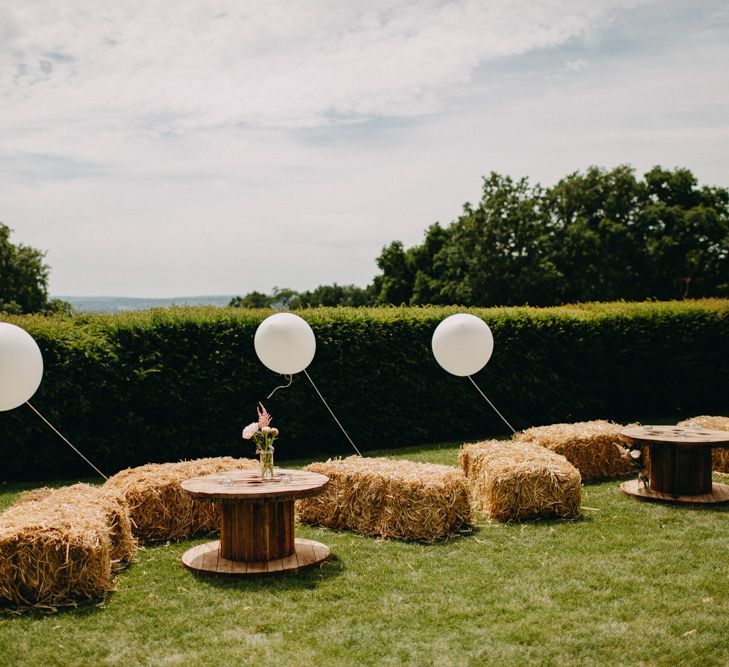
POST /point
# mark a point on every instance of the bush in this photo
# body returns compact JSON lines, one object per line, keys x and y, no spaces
{"x":168,"y":384}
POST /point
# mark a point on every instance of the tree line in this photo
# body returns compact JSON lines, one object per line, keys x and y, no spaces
{"x":324,"y":295}
{"x":602,"y":235}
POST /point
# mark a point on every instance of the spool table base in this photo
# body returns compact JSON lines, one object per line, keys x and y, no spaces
{"x":719,"y":494}
{"x":206,"y":559}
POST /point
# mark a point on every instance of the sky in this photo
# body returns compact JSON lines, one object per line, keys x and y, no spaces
{"x":165,"y":149}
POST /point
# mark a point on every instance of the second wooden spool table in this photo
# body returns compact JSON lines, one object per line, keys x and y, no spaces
{"x":679,"y":465}
{"x":257,"y":529}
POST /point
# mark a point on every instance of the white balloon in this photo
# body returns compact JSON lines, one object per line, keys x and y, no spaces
{"x":21,"y":366}
{"x":462,"y":344}
{"x":285,"y":343}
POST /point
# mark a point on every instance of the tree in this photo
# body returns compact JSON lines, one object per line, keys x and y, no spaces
{"x":284,"y":298}
{"x":395,"y":285}
{"x":599,"y":241}
{"x":24,"y":279}
{"x":687,"y":235}
{"x":601,"y":235}
{"x":427,"y":287}
{"x":496,"y":252}
{"x":500,"y":252}
{"x":251,"y":300}
{"x":335,"y":295}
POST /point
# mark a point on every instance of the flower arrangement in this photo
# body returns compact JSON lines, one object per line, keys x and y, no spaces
{"x":264,"y":435}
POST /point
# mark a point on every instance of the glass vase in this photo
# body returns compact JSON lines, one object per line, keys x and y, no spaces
{"x":266,"y":459}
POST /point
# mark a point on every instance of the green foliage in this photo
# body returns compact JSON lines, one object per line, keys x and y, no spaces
{"x":285,"y":298}
{"x":598,"y":236}
{"x":24,"y":279}
{"x":251,"y":300}
{"x":163,"y":385}
{"x":334,"y":295}
{"x":500,"y":252}
{"x":23,"y":276}
{"x":395,"y":285}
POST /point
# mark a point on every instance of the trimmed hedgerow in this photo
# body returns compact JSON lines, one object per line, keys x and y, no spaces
{"x":163,"y":385}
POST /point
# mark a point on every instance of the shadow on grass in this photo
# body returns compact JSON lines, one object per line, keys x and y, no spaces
{"x":306,"y":579}
{"x":79,"y":609}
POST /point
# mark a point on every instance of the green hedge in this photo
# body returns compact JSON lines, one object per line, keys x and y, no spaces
{"x":163,"y":385}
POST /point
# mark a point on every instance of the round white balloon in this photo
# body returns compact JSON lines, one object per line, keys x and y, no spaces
{"x":462,"y":344}
{"x":21,"y":366}
{"x":285,"y":343}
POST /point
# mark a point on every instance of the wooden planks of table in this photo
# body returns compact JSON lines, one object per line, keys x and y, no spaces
{"x":257,"y":529}
{"x":679,"y":464}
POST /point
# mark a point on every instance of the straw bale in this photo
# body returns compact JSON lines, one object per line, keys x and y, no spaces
{"x":113,"y":503}
{"x":594,"y":448}
{"x":58,"y":546}
{"x":513,"y":481}
{"x":387,"y":498}
{"x":158,"y":507}
{"x":720,"y":455}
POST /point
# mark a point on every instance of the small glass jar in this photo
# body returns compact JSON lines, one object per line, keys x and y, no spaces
{"x":265,"y":457}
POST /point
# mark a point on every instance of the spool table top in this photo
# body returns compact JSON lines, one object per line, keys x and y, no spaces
{"x":686,"y":436}
{"x":236,"y":486}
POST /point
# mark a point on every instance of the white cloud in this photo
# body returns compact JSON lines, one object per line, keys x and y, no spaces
{"x":179,"y":148}
{"x":157,"y":67}
{"x":576,"y":65}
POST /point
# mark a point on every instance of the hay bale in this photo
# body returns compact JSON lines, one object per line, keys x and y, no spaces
{"x":594,"y":448}
{"x":390,"y":499}
{"x":720,"y":455}
{"x":159,"y":509}
{"x":58,"y":546}
{"x":706,"y":421}
{"x":113,"y":504}
{"x":513,"y":481}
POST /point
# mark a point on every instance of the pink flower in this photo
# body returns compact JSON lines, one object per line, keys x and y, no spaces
{"x":264,"y":419}
{"x":250,"y":430}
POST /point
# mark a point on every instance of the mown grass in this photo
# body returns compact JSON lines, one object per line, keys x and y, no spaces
{"x":631,"y":584}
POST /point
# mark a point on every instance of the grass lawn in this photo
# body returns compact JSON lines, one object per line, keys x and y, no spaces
{"x":632,"y":583}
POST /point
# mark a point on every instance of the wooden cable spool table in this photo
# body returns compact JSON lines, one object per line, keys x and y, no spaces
{"x":680,"y":464}
{"x":257,"y":529}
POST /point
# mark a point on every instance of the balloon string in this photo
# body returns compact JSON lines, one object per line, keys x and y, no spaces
{"x":283,"y":386}
{"x":60,"y":435}
{"x":332,"y":413}
{"x":492,"y":405}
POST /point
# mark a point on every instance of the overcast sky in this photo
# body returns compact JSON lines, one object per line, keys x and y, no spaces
{"x":197,"y":147}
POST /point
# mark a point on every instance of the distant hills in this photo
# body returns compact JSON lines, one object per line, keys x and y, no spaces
{"x":119,"y":304}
